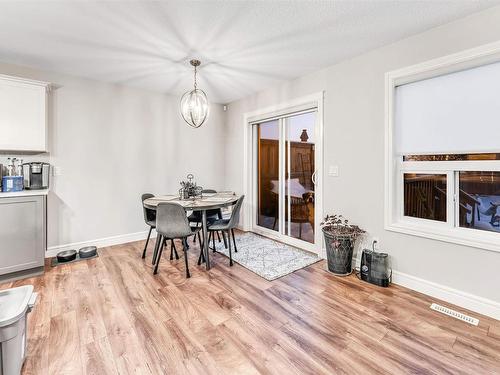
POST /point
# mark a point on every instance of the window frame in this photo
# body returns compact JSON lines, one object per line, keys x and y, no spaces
{"x":395,"y":167}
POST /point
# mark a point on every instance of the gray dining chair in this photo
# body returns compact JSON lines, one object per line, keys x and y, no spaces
{"x":172,"y":223}
{"x":212,"y":215}
{"x":149,"y":219}
{"x":228,"y":225}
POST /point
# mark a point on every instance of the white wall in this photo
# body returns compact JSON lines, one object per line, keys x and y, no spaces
{"x":112,"y":144}
{"x":354,"y":140}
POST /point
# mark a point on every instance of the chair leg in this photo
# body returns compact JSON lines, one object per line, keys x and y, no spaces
{"x":201,"y":258}
{"x":184,"y":241}
{"x":163,"y":243}
{"x":157,"y":246}
{"x":209,"y":238}
{"x":172,"y":245}
{"x":147,"y":241}
{"x":224,"y":239}
{"x":213,"y":240}
{"x":199,"y":240}
{"x":218,"y":237}
{"x":300,"y":230}
{"x":230,"y":252}
{"x":234,"y":241}
{"x":171,"y":250}
{"x":158,"y":260}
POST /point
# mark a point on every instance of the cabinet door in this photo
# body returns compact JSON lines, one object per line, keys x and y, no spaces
{"x":22,"y":233}
{"x":22,"y":116}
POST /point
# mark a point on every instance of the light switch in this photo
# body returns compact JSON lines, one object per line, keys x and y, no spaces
{"x":56,"y":171}
{"x":333,"y":171}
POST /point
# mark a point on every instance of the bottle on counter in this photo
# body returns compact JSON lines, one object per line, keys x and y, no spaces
{"x":10,"y":167}
{"x":19,"y":168}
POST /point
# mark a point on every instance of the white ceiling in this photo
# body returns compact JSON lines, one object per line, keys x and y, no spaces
{"x":245,"y":46}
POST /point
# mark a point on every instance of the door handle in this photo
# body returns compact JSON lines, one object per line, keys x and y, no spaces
{"x":313,"y":177}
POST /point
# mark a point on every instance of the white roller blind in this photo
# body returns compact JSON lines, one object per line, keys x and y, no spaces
{"x":453,"y":113}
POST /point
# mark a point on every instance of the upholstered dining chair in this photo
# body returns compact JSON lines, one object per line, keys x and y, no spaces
{"x":212,"y":215}
{"x":227,"y":225}
{"x":149,"y":219}
{"x":172,"y":223}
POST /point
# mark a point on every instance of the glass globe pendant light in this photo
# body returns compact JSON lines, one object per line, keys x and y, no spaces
{"x":194,"y":103}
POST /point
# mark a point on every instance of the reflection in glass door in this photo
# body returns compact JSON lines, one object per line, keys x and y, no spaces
{"x":299,"y":174}
{"x":285,"y":169}
{"x":268,"y":170}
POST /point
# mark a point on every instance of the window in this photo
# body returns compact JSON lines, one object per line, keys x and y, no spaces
{"x":443,"y":154}
{"x":425,"y":196}
{"x":473,"y":196}
{"x":479,"y":200}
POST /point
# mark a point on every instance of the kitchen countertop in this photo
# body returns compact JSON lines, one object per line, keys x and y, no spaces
{"x":24,"y":193}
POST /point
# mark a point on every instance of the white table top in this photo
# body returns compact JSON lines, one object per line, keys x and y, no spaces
{"x":206,"y":202}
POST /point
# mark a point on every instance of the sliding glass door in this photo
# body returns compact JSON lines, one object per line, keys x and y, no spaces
{"x":285,"y":177}
{"x":268,"y":171}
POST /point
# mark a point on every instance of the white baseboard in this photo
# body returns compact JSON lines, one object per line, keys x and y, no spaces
{"x":101,"y":242}
{"x":457,"y":297}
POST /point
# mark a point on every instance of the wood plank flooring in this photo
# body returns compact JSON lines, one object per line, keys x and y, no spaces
{"x":110,"y":315}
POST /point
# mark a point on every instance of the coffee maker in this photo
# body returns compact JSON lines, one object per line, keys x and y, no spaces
{"x":36,"y":175}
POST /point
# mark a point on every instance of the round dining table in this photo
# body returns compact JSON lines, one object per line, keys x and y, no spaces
{"x":208,"y":201}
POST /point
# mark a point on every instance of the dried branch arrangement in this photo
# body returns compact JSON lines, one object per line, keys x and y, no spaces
{"x":339,"y":226}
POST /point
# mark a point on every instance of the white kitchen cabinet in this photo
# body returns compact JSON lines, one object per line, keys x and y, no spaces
{"x":23,"y":240}
{"x":23,"y":114}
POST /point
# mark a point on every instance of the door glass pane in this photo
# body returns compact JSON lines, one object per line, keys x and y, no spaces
{"x":299,"y":169}
{"x":479,"y":203}
{"x":268,"y":174}
{"x":425,"y":196}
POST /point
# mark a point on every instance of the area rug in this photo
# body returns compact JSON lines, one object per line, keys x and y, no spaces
{"x":267,"y":258}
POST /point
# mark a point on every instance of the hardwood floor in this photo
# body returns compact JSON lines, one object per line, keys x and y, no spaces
{"x":110,"y":315}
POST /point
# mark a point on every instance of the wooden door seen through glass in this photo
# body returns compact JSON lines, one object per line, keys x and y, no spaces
{"x":268,"y":146}
{"x":285,"y":175}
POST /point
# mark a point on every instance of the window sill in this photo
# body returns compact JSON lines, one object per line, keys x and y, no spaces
{"x":462,"y":236}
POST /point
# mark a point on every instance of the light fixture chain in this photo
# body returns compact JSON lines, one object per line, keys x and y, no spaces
{"x":195,"y":83}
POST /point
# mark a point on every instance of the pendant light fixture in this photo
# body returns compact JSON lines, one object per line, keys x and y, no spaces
{"x":194,"y":103}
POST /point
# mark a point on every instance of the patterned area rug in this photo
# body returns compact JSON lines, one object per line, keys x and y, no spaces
{"x":267,"y":258}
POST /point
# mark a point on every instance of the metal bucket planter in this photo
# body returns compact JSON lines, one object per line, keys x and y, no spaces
{"x":339,"y":251}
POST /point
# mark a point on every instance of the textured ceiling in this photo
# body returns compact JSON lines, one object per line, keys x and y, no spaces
{"x":245,"y":46}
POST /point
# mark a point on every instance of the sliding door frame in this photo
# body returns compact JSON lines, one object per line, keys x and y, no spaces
{"x":250,"y":163}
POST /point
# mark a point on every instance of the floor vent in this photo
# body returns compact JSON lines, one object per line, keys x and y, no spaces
{"x":455,"y":314}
